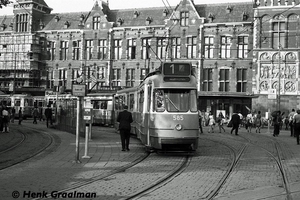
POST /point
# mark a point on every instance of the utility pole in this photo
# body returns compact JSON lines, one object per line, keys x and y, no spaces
{"x":279,"y":66}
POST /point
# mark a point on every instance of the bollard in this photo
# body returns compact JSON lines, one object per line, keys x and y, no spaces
{"x":86,"y":148}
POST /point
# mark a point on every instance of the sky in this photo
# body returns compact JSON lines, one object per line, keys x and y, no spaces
{"x":61,"y":6}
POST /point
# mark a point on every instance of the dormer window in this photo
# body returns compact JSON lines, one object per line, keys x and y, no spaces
{"x":57,"y":18}
{"x":148,"y":20}
{"x":3,"y":27}
{"x":165,"y":13}
{"x":211,"y":17}
{"x":120,"y":21}
{"x":42,"y":25}
{"x":82,"y":17}
{"x":67,"y":24}
{"x":11,"y":25}
{"x":228,"y":9}
{"x":245,"y":16}
{"x":136,"y":14}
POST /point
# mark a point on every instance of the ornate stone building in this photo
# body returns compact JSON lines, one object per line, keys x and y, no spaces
{"x":109,"y":49}
{"x":276,"y":55}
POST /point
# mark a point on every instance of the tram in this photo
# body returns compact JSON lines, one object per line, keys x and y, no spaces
{"x":102,"y":107}
{"x":164,"y":108}
{"x":23,"y":101}
{"x":100,"y":103}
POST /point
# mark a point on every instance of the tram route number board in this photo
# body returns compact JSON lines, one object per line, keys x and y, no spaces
{"x":177,"y":69}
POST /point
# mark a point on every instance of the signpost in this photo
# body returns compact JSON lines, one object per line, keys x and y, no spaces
{"x":78,"y":90}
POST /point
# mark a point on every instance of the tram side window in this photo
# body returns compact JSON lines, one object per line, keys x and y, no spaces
{"x":141,"y":101}
{"x":117,"y":103}
{"x":121,"y":102}
{"x":103,"y":105}
{"x":131,"y":101}
{"x":159,"y":101}
{"x":193,"y":101}
{"x":149,"y":98}
{"x":17,"y":102}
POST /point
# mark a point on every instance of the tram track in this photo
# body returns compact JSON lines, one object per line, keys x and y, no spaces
{"x":14,"y":144}
{"x":278,"y":159}
{"x":236,"y":157}
{"x":123,"y":171}
{"x":101,"y":177}
{"x":31,"y":145}
{"x":162,"y":181}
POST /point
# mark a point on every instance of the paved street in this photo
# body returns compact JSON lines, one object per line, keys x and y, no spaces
{"x":113,"y":174}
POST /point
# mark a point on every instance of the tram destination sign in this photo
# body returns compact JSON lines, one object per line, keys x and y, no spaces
{"x":177,"y":79}
{"x":177,"y":69}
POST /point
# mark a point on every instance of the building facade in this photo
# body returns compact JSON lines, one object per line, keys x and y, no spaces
{"x":109,"y":49}
{"x":276,"y":55}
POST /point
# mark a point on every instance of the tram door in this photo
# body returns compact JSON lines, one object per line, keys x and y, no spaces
{"x":148,"y":111}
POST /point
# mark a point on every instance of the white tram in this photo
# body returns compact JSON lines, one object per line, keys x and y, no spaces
{"x":102,"y":106}
{"x":164,"y":108}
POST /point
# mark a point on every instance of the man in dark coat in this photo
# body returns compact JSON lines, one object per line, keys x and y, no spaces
{"x":235,"y":120}
{"x":125,"y":119}
{"x":48,"y":114}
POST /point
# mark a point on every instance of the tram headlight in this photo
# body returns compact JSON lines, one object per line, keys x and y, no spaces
{"x":178,"y":127}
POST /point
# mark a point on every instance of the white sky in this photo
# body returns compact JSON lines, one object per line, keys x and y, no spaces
{"x":60,"y":6}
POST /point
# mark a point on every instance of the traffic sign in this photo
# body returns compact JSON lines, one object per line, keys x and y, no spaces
{"x":87,"y":115}
{"x":79,"y":90}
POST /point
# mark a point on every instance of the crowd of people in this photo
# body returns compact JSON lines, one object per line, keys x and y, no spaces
{"x":9,"y":114}
{"x":253,"y":120}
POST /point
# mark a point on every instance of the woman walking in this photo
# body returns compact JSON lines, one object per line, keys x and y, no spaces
{"x":257,"y":122}
{"x":211,"y":122}
{"x":220,"y":122}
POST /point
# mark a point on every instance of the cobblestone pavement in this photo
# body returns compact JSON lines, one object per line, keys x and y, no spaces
{"x":251,"y":178}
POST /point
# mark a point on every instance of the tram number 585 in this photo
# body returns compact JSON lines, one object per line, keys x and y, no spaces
{"x":177,"y":118}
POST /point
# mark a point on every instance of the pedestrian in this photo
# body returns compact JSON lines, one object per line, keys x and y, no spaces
{"x":257,"y":122}
{"x":35,"y":114}
{"x":286,"y":122}
{"x":200,"y":121}
{"x":296,"y":121}
{"x":236,"y":121}
{"x":211,"y":122}
{"x":48,"y":114}
{"x":249,"y":122}
{"x":13,"y":114}
{"x":20,"y":116}
{"x":220,"y":121}
{"x":5,"y":118}
{"x":277,"y":120}
{"x":1,"y":119}
{"x":291,"y":121}
{"x":41,"y":113}
{"x":125,"y":119}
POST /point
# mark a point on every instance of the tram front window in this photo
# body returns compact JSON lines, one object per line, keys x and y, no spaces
{"x":174,"y":100}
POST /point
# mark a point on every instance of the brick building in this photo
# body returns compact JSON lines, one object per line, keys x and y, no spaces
{"x":109,"y":49}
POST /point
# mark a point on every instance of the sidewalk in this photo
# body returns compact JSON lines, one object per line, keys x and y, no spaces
{"x":58,"y":170}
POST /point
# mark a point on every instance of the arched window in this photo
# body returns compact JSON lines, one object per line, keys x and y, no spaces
{"x":278,"y":32}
